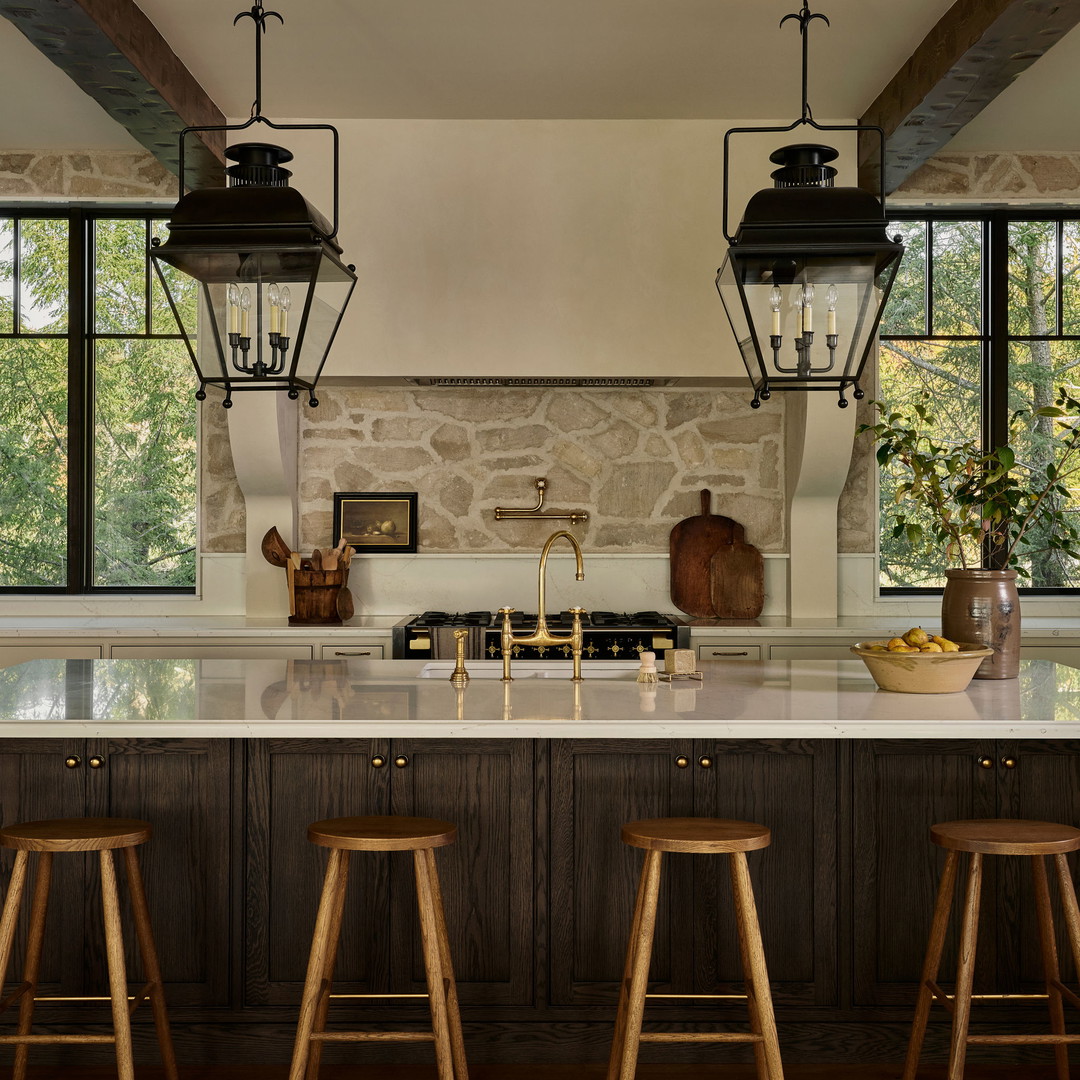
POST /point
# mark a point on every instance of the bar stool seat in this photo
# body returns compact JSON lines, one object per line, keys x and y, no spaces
{"x":702,"y":836}
{"x":997,"y":836}
{"x":380,"y":833}
{"x":66,"y":835}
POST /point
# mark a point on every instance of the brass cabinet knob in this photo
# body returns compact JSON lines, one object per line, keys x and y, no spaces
{"x":401,"y":761}
{"x":378,"y":761}
{"x":1008,"y":762}
{"x":986,"y":763}
{"x":682,"y":762}
{"x":73,"y":761}
{"x":705,"y":762}
{"x":96,"y":762}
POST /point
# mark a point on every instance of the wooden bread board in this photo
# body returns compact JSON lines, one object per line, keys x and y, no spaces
{"x":737,"y":577}
{"x":693,"y":542}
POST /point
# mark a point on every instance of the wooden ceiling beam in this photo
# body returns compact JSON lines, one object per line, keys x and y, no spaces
{"x":115,"y":54}
{"x":975,"y":51}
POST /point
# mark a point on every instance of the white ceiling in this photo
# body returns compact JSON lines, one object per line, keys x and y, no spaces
{"x":522,"y":59}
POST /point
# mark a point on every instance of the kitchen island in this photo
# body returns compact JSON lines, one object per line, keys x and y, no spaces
{"x":230,"y":760}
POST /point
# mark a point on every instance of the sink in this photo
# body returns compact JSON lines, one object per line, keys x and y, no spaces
{"x":621,"y":670}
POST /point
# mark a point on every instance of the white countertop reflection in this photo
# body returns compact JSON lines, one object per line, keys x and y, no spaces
{"x":385,"y":698}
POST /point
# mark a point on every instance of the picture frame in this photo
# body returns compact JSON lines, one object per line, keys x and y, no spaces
{"x":376,"y":522}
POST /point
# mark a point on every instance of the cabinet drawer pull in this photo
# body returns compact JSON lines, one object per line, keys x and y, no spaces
{"x":378,"y":761}
{"x":1008,"y":762}
{"x":73,"y":761}
{"x":705,"y":762}
{"x":96,"y":762}
{"x":731,"y":653}
{"x":682,"y":762}
{"x":352,"y":652}
{"x":986,"y":763}
{"x":401,"y":761}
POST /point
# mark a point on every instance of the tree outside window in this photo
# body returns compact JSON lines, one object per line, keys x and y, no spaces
{"x":984,"y":320}
{"x":97,"y":440}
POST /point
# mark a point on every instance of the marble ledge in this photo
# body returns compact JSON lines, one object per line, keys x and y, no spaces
{"x":382,"y":699}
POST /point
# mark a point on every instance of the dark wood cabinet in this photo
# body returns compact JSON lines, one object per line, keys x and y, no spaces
{"x":901,"y":788}
{"x":182,"y":787}
{"x":484,"y":786}
{"x":596,"y":786}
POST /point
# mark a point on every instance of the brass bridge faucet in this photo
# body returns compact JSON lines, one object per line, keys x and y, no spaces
{"x":542,"y":635}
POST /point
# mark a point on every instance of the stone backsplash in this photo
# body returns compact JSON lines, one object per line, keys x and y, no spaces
{"x":634,"y":460}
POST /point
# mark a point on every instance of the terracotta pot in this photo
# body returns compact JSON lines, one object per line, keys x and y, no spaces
{"x":983,"y":606}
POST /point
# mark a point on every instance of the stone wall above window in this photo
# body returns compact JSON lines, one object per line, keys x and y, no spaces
{"x":971,"y":176}
{"x":84,"y":174}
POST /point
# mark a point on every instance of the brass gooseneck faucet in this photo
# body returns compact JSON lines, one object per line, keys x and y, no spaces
{"x":542,"y":635}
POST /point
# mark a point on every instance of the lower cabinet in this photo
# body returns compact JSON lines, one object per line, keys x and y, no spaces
{"x":539,"y":888}
{"x":485,"y":787}
{"x":182,"y":787}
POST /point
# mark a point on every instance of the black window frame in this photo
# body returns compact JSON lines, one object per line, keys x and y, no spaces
{"x":995,"y":337}
{"x":82,"y":338}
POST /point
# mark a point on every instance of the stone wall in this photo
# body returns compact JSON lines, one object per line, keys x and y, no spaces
{"x":98,"y":174}
{"x":993,"y":177}
{"x":635,"y":461}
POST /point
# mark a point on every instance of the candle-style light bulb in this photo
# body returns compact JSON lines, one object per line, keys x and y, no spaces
{"x":807,"y":308}
{"x":830,"y":320}
{"x":232,"y":299}
{"x":273,"y":295}
{"x":245,"y":311}
{"x":776,"y":298}
{"x":286,"y":303}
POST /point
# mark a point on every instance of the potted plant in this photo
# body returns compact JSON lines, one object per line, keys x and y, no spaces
{"x":987,"y":513}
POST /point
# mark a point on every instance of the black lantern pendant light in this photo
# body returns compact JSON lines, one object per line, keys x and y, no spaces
{"x":271,"y":284}
{"x":807,"y":253}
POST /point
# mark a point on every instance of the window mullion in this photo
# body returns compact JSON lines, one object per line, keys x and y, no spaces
{"x":80,"y":405}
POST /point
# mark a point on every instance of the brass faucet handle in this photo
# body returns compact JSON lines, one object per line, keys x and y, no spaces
{"x":507,"y":610}
{"x":459,"y":676}
{"x":578,"y":611}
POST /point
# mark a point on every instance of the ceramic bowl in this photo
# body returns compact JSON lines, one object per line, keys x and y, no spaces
{"x":923,"y":673}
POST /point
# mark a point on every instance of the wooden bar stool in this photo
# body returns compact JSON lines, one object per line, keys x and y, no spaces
{"x":103,"y":835}
{"x":420,"y":836}
{"x":703,"y":836}
{"x":1035,"y":839}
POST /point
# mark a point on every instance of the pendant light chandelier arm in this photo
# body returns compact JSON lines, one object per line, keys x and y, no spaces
{"x":258,"y":16}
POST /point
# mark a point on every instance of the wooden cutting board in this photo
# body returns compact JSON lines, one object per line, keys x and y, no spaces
{"x":693,"y":543}
{"x":737,"y":574}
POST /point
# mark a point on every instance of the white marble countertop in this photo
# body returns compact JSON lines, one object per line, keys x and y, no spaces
{"x":389,"y":698}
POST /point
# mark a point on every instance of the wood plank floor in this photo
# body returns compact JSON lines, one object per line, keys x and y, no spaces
{"x":549,"y":1072}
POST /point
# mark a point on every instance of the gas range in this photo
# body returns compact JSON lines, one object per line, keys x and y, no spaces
{"x":607,"y":635}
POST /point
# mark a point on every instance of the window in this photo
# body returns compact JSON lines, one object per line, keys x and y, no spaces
{"x":97,"y":413}
{"x":984,"y":316}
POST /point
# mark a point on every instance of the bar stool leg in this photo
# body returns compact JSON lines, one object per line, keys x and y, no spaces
{"x":1068,"y":903}
{"x":1051,"y":971}
{"x":316,"y":962}
{"x":8,"y":920}
{"x":32,"y":965}
{"x":761,"y":1066}
{"x":429,"y":939}
{"x":642,"y":945}
{"x":457,"y":1039}
{"x":619,"y":1035}
{"x":151,"y":967}
{"x":757,"y":975}
{"x":114,"y":948}
{"x":965,"y":969}
{"x":327,"y":980}
{"x":931,"y":963}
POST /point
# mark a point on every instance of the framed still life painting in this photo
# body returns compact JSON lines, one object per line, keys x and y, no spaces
{"x":376,"y":521}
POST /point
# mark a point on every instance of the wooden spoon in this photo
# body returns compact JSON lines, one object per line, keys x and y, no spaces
{"x":275,"y":550}
{"x":316,"y":560}
{"x":345,"y":606}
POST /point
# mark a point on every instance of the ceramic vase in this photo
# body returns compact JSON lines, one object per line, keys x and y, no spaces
{"x":983,"y":606}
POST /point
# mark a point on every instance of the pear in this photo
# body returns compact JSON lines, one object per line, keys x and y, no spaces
{"x":917,"y":636}
{"x":945,"y":643}
{"x":895,"y":643}
{"x":931,"y":646}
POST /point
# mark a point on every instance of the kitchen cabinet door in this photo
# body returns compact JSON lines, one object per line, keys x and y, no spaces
{"x":40,"y":779}
{"x":1040,"y":781}
{"x":290,"y":784}
{"x":485,"y":787}
{"x":790,"y":786}
{"x":902,"y":787}
{"x":597,"y":785}
{"x":183,"y":788}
